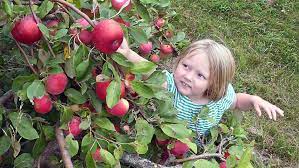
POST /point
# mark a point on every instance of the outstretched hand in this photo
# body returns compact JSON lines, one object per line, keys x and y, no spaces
{"x":260,"y":104}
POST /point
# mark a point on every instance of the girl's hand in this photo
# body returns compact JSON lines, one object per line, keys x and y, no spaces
{"x":272,"y":110}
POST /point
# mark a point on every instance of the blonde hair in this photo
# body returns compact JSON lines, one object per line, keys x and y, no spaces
{"x":222,"y":66}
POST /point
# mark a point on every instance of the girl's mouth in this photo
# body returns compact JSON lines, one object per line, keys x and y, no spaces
{"x":185,"y":84}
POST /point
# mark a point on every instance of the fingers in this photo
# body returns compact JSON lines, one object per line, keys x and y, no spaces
{"x":274,"y":114}
{"x":257,"y":109}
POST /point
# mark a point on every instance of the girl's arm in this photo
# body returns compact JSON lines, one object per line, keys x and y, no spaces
{"x":128,"y":53}
{"x":245,"y":101}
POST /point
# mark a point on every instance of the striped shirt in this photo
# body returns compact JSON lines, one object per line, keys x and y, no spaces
{"x":200,"y":118}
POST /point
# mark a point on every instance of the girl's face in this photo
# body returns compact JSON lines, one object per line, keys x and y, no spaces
{"x":192,"y":75}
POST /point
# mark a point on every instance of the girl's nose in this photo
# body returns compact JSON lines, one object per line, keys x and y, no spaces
{"x":188,"y":77}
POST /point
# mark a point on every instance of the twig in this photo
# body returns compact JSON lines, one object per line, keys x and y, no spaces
{"x":37,"y":21}
{"x":64,"y":153}
{"x":76,"y":10}
{"x":206,"y":155}
{"x":26,"y":57}
{"x":68,"y":12}
{"x":6,"y":96}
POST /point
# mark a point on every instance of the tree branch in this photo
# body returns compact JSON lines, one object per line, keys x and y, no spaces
{"x":26,"y":57}
{"x":139,"y":162}
{"x":196,"y":157}
{"x":76,"y":10}
{"x":37,"y":21}
{"x":64,"y":153}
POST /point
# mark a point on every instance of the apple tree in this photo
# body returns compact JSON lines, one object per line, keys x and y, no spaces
{"x":81,"y":102}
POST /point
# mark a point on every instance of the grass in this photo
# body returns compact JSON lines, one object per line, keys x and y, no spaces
{"x":264,"y":40}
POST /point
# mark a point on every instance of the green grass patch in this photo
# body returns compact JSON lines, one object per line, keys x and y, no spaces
{"x":264,"y":40}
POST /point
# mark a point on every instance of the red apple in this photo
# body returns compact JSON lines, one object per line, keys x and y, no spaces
{"x":117,"y":4}
{"x":42,"y":105}
{"x":145,"y":48}
{"x":97,"y":155}
{"x":159,"y":23}
{"x":155,"y":58}
{"x":26,"y":30}
{"x":88,"y":105}
{"x":169,"y":34}
{"x":120,"y":109}
{"x":222,"y":164}
{"x":179,"y":148}
{"x":120,"y":20}
{"x":129,"y":76}
{"x":107,"y":36}
{"x":85,"y":37}
{"x":56,"y":83}
{"x":74,"y":126}
{"x":166,"y":49}
{"x":82,"y":22}
{"x":101,"y":89}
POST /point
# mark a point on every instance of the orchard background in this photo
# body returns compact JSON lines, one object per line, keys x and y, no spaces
{"x":80,"y":130}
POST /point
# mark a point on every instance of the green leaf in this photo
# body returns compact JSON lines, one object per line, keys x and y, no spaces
{"x":224,"y":128}
{"x":164,"y":3}
{"x":104,"y":123}
{"x":81,"y":52}
{"x":75,"y":96}
{"x":140,"y":148}
{"x":106,"y":12}
{"x":25,"y":160}
{"x":49,"y":132}
{"x":113,"y":93}
{"x":90,"y":163}
{"x":179,"y":37}
{"x":121,"y":60}
{"x":107,"y":157}
{"x":142,"y":11}
{"x":7,"y":7}
{"x":178,"y":131}
{"x":39,"y":146}
{"x":205,"y":163}
{"x":45,"y":8}
{"x":60,"y":33}
{"x":138,"y":34}
{"x":4,"y":144}
{"x":156,"y":78}
{"x":190,"y":144}
{"x":143,"y":67}
{"x":244,"y":162}
{"x":72,"y":145}
{"x":96,"y":103}
{"x":36,"y":89}
{"x":85,"y":123}
{"x":66,"y":115}
{"x":115,"y":74}
{"x":142,"y":89}
{"x":87,"y":140}
{"x":82,"y":69}
{"x":69,"y":68}
{"x":44,"y":30}
{"x":145,"y":131}
{"x":118,"y":152}
{"x":19,"y":81}
{"x":23,"y":125}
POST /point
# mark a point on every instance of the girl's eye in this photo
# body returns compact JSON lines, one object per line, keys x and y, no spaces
{"x":200,"y":76}
{"x":184,"y":65}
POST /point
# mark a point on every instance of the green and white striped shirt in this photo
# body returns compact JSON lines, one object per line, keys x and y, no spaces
{"x":200,"y":118}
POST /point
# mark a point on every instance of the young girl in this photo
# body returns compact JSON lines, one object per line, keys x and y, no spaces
{"x":201,"y":78}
